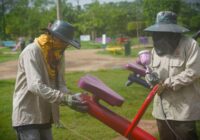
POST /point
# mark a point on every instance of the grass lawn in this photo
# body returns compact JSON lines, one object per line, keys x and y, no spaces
{"x":134,"y":52}
{"x":80,"y":126}
{"x":7,"y":54}
{"x":90,"y":45}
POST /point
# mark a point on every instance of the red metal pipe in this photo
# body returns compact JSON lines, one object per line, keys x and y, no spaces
{"x":141,"y":110}
{"x":115,"y":121}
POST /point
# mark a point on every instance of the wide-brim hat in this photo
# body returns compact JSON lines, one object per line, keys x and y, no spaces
{"x":64,"y":31}
{"x":166,"y":21}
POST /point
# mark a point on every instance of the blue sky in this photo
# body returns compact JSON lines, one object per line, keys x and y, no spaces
{"x":82,"y":2}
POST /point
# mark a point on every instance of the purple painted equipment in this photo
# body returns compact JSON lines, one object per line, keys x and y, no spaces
{"x":144,"y":57}
{"x":100,"y":90}
{"x":139,"y":69}
{"x":118,"y":123}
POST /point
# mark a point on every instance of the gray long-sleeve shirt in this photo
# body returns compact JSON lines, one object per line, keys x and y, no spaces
{"x":35,"y":99}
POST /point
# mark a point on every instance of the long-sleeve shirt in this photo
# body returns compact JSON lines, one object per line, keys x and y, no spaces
{"x":181,"y":74}
{"x":36,"y":99}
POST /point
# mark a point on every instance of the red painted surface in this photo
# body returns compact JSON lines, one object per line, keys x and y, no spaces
{"x":114,"y":121}
{"x":122,"y":40}
{"x":141,"y":111}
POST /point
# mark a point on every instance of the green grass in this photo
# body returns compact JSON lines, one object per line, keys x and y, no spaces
{"x":96,"y":45}
{"x":90,"y":45}
{"x":134,"y":52}
{"x":7,"y":54}
{"x":6,"y":131}
{"x":80,"y":125}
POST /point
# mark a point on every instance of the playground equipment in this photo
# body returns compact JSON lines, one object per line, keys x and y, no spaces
{"x":114,"y":49}
{"x":118,"y":123}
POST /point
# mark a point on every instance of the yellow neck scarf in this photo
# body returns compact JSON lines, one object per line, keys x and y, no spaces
{"x":52,"y":52}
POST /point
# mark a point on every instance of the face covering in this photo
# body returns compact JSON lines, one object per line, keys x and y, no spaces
{"x":52,"y":50}
{"x":165,"y":43}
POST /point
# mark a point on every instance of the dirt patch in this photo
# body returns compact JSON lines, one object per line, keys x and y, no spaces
{"x":8,"y":70}
{"x":76,"y":60}
{"x":147,"y":125}
{"x":90,"y":60}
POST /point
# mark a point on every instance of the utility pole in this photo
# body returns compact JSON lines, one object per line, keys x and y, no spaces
{"x":59,"y":16}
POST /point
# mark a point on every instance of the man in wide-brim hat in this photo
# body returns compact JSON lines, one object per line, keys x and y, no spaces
{"x":176,"y":60}
{"x":40,"y":86}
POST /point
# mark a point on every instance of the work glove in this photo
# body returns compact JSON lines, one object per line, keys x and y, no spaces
{"x":161,"y":88}
{"x":75,"y":102}
{"x":152,"y":79}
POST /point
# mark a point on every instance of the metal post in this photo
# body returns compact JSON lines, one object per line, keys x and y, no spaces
{"x":59,"y":17}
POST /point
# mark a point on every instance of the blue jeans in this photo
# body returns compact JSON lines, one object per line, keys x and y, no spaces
{"x":35,"y":134}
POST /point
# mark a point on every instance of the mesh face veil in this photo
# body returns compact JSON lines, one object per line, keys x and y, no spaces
{"x":165,"y":42}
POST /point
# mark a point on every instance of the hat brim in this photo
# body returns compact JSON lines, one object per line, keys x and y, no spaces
{"x":72,"y":42}
{"x":166,"y":28}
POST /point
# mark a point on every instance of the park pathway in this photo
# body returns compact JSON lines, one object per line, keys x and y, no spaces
{"x":76,"y":60}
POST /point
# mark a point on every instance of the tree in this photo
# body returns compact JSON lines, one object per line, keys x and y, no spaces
{"x":192,"y":12}
{"x":5,"y":5}
{"x":110,"y":18}
{"x":135,"y":28}
{"x":26,"y":18}
{"x":152,"y":7}
{"x":91,"y":20}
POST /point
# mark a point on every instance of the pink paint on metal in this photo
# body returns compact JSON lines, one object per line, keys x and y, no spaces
{"x":139,"y":69}
{"x":145,"y":57}
{"x":100,"y":90}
